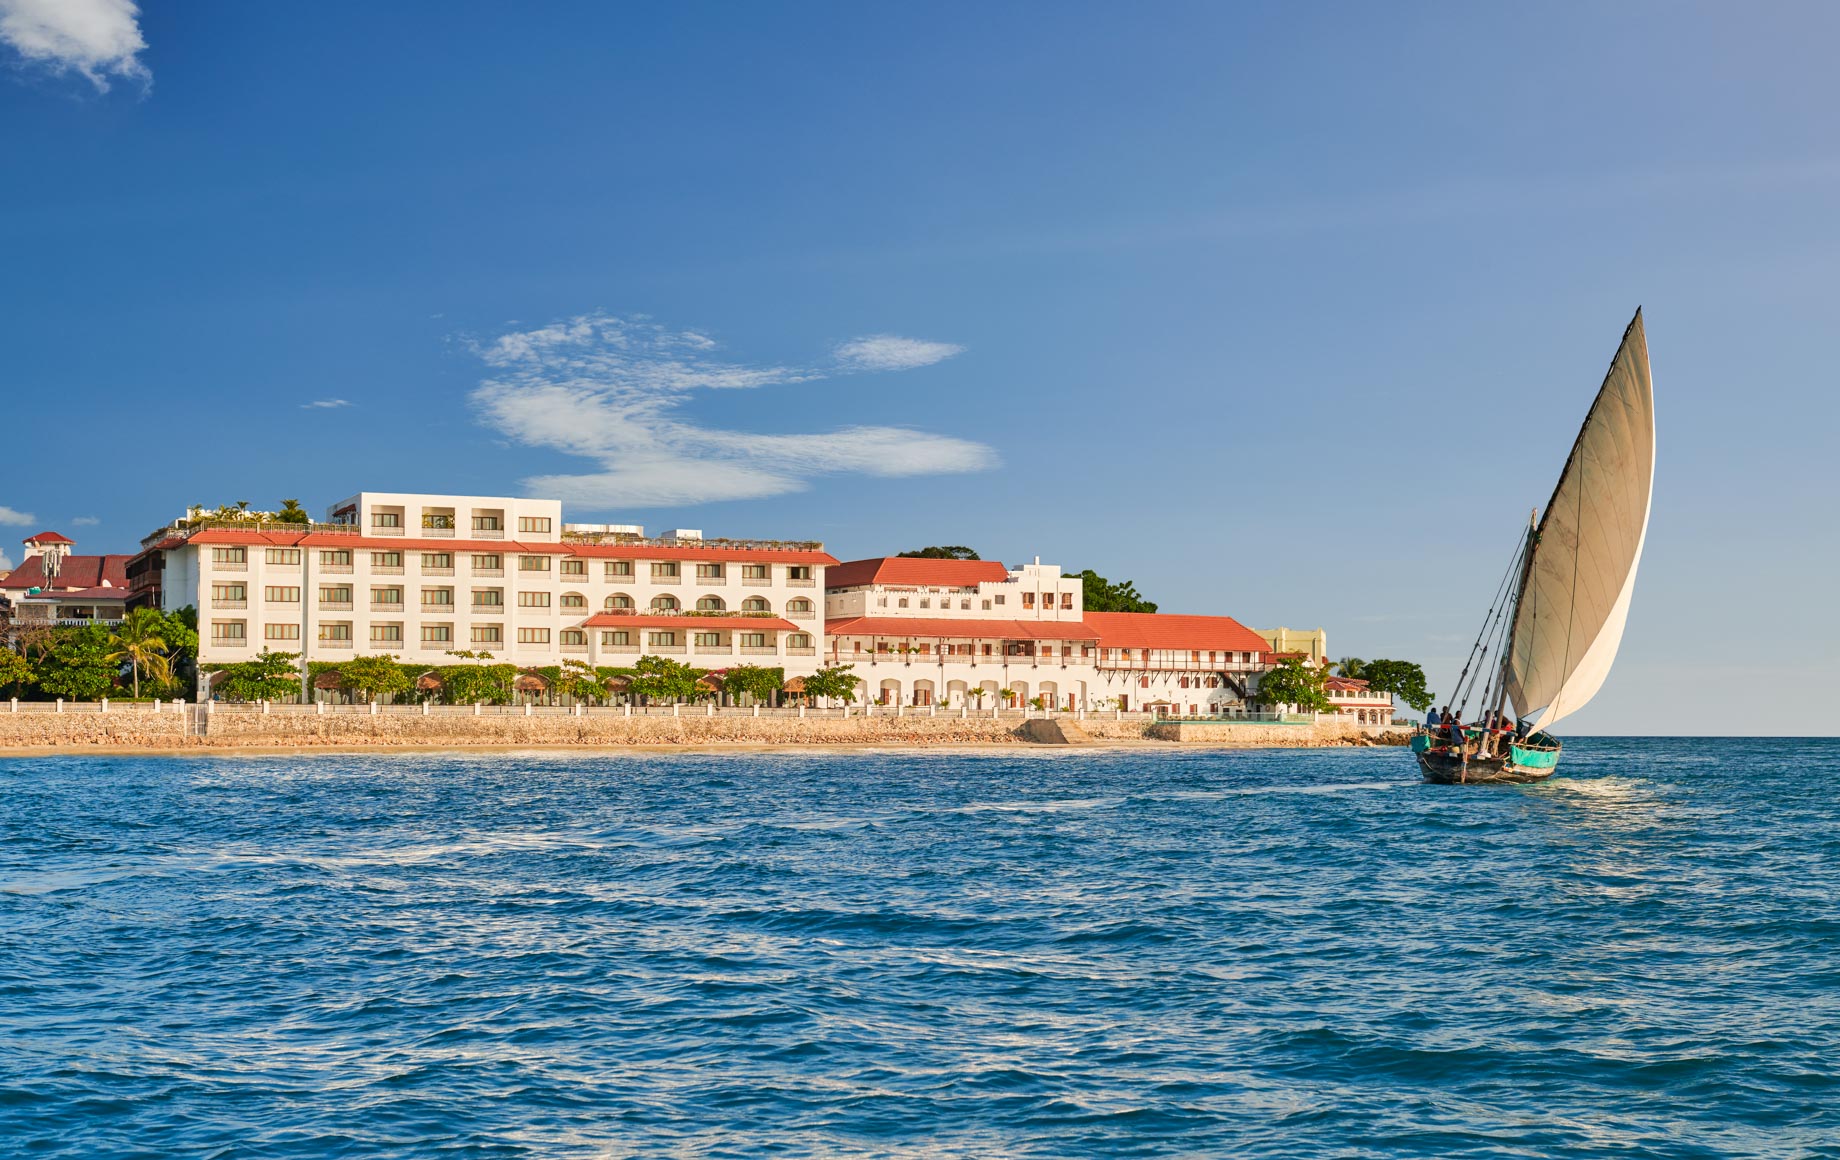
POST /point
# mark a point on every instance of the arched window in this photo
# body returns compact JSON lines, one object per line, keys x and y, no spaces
{"x":665,"y":604}
{"x":618,"y":602}
{"x":574,"y":600}
{"x":798,"y":640}
{"x":710,"y":604}
{"x":800,"y":607}
{"x":756,"y":604}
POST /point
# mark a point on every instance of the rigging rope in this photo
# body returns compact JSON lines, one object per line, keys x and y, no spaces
{"x":1489,"y":618}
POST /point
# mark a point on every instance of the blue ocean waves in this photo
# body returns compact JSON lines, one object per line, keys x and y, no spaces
{"x":1111,"y":954}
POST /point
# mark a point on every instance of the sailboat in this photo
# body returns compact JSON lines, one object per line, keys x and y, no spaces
{"x":1552,"y":632}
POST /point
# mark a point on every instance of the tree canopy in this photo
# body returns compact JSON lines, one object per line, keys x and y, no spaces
{"x":836,"y":683}
{"x":943,"y":552}
{"x":270,"y":677}
{"x":1292,"y":682}
{"x":1403,"y":679}
{"x":78,"y":665}
{"x":1350,"y":667}
{"x":659,"y":678}
{"x":754,"y":681}
{"x":374,"y":678}
{"x":1101,"y":595}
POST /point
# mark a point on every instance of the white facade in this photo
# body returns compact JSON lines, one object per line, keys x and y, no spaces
{"x":421,"y":576}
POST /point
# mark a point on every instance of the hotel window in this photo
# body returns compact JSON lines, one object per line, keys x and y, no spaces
{"x":609,"y":639}
{"x":281,"y":632}
{"x":574,"y":636}
{"x":665,"y":604}
{"x":386,"y":596}
{"x":437,"y":596}
{"x":926,"y":602}
{"x":574,"y":567}
{"x":283,"y":555}
{"x":488,"y":524}
{"x":488,"y":598}
{"x":386,"y":519}
{"x":617,"y":568}
{"x":902,"y":603}
{"x":223,"y":592}
{"x":335,"y":594}
{"x":710,"y":604}
{"x":337,"y":630}
{"x":438,"y":560}
{"x":798,"y":572}
{"x":987,"y":606}
{"x":753,"y":640}
{"x":229,"y":555}
{"x":1066,"y":601}
{"x":533,"y":563}
{"x":798,"y":607}
{"x":1028,"y":600}
{"x":707,"y":639}
{"x":439,"y":521}
{"x":534,"y":524}
{"x":488,"y":562}
{"x":386,"y":559}
{"x":998,"y":598}
{"x":574,"y":600}
{"x":665,"y":571}
{"x":798,"y":640}
{"x":756,"y":571}
{"x":533,"y":600}
{"x":965,"y":604}
{"x":225,"y":631}
{"x":281,"y":594}
{"x":488,"y":634}
{"x":666,"y":639}
{"x":340,"y":558}
{"x":882,"y":602}
{"x":437,"y":634}
{"x":387,"y":633}
{"x":986,"y":650}
{"x":533,"y":636}
{"x":709,"y":571}
{"x":618,"y":602}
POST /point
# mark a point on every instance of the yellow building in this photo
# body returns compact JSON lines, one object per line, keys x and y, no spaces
{"x":1313,"y":643}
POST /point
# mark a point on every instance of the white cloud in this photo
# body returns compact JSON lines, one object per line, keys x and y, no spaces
{"x":85,"y":522}
{"x":17,"y":519}
{"x":891,"y":352}
{"x":97,"y":38}
{"x":320,"y":404}
{"x":607,"y":389}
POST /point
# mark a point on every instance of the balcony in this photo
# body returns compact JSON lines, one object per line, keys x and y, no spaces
{"x":497,"y":573}
{"x":335,"y":606}
{"x":810,"y":615}
{"x":715,"y":649}
{"x":795,"y":651}
{"x":488,"y":533}
{"x":664,"y":649}
{"x":712,"y":581}
{"x":791,"y":583}
{"x":448,"y":571}
{"x":667,"y":579}
{"x":482,"y":608}
{"x":759,"y":650}
{"x":386,"y":606}
{"x":229,"y":642}
{"x":620,"y":648}
{"x":574,"y":577}
{"x":757,"y":581}
{"x":229,"y":604}
{"x":336,"y":569}
{"x":229,"y":565}
{"x":383,"y":531}
{"x":387,"y":643}
{"x":489,"y":645}
{"x":335,"y":642}
{"x":437,"y":533}
{"x":438,"y":609}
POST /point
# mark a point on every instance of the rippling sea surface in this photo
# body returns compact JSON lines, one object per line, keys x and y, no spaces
{"x":1036,"y":953}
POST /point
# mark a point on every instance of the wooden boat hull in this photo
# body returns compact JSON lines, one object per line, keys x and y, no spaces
{"x":1522,"y":764}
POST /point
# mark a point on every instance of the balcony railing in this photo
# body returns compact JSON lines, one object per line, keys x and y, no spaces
{"x":573,"y":648}
{"x":795,"y":651}
{"x":759,"y":650}
{"x":386,"y":606}
{"x":667,"y":579}
{"x":791,"y":583}
{"x":229,"y":604}
{"x":385,"y":642}
{"x":335,"y":606}
{"x":757,"y":581}
{"x":712,"y":581}
{"x":715,"y":649}
{"x":229,"y":565}
{"x":335,"y":642}
{"x":438,"y":571}
{"x":673,"y":649}
{"x":439,"y":609}
{"x":620,"y":648}
{"x":336,"y":569}
{"x":488,"y":533}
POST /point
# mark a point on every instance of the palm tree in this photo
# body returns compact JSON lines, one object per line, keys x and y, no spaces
{"x":137,"y":640}
{"x":1350,"y":667}
{"x":1008,"y":695}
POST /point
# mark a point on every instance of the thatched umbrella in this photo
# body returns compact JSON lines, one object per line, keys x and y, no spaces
{"x":618,"y":684}
{"x":530,"y":683}
{"x":795,"y":685}
{"x":428,"y":683}
{"x":328,"y":680}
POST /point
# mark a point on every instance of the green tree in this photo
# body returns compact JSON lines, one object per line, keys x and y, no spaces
{"x":15,"y":670}
{"x":942,"y":552}
{"x":270,"y":677}
{"x":292,"y":513}
{"x":78,"y":666}
{"x":659,"y":678}
{"x":465,"y":684}
{"x":580,"y":680}
{"x":836,"y":683}
{"x":138,"y":641}
{"x":755,"y":681}
{"x":1292,"y":682}
{"x":1351,"y":667}
{"x":374,"y":678}
{"x":1101,"y":595}
{"x":1403,"y":679}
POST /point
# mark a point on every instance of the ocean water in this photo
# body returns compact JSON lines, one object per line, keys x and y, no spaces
{"x":1039,"y":953}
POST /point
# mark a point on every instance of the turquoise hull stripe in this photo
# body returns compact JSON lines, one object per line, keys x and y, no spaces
{"x":1535,"y":758}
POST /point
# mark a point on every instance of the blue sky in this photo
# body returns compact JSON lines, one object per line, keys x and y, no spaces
{"x":1283,"y":312}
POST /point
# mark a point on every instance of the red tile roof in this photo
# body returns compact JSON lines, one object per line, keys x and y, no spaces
{"x":81,"y":594}
{"x":48,"y":538}
{"x":1350,"y":683}
{"x":967,"y":629}
{"x":1167,"y":630}
{"x":73,"y":572}
{"x":692,"y":623}
{"x":916,"y":571}
{"x":592,"y":551}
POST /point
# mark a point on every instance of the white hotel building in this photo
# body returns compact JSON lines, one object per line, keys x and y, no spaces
{"x":421,"y":576}
{"x":922,"y":632}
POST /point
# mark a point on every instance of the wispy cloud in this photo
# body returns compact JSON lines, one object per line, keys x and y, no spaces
{"x":323,"y":404}
{"x":607,"y":388}
{"x":98,"y":39}
{"x":891,"y":352}
{"x":12,"y":517}
{"x":85,"y":522}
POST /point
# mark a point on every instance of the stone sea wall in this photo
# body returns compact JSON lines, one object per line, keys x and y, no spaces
{"x":134,"y":727}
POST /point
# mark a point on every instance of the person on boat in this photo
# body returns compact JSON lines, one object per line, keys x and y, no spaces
{"x":1454,"y":723}
{"x":1431,"y":719}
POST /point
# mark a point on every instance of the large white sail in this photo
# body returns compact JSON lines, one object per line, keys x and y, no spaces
{"x":1570,"y":617}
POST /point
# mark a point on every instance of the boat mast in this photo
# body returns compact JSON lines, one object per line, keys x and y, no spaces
{"x":1514,"y":612}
